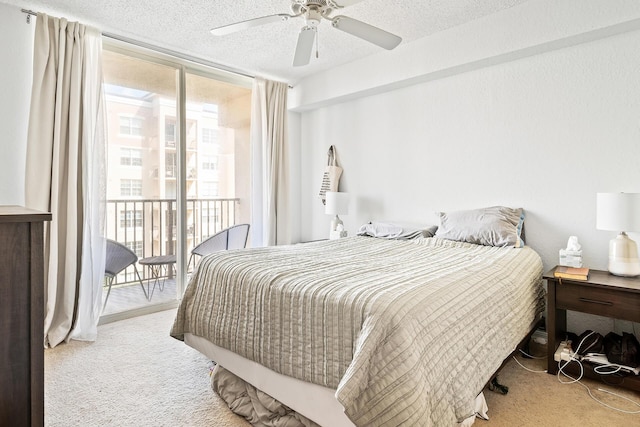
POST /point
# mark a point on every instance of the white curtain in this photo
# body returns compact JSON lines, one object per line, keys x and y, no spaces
{"x":65,"y":173}
{"x":270,"y":186}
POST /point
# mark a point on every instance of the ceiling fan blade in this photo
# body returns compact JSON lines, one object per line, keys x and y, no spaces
{"x":304,"y":46}
{"x":243,"y":25}
{"x":366,"y":32}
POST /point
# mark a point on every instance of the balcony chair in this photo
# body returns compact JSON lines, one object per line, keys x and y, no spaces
{"x":119,"y":257}
{"x":234,"y":237}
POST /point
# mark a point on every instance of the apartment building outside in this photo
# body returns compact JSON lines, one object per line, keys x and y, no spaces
{"x":142,"y":165}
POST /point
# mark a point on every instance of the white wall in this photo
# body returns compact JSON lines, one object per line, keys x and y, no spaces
{"x":545,"y":130}
{"x":16,"y":49}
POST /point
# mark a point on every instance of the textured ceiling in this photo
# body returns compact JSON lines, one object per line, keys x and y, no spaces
{"x":183,"y":25}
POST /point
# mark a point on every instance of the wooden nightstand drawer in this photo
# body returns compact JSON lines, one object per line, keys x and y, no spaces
{"x":598,"y":300}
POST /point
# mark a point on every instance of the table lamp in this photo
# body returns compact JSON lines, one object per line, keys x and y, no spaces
{"x":337,"y":204}
{"x":618,"y":212}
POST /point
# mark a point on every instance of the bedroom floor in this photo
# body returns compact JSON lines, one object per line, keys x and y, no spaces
{"x":137,"y":375}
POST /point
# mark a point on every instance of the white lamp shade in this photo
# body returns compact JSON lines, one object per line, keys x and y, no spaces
{"x":618,"y":211}
{"x":337,"y":203}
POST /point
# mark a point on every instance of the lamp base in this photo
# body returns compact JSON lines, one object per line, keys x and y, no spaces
{"x":623,"y":256}
{"x":337,"y":234}
{"x":337,"y":229}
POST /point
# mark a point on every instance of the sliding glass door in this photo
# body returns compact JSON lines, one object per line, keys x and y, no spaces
{"x":217,"y":162}
{"x":177,"y":168}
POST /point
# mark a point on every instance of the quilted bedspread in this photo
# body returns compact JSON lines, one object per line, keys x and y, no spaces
{"x":407,"y":332}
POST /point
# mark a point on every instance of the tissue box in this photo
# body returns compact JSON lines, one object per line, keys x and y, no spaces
{"x":570,"y":258}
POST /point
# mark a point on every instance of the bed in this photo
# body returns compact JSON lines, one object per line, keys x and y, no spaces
{"x":365,"y":331}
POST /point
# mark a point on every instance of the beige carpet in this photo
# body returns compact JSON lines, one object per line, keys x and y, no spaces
{"x":538,"y":399}
{"x":136,"y":375}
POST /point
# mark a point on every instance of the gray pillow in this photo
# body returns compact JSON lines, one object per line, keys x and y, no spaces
{"x":493,"y":226}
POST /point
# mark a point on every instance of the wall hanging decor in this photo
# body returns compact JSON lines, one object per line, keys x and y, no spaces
{"x":331,"y":176}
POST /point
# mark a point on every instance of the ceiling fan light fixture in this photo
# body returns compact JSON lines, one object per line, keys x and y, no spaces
{"x":313,"y":16}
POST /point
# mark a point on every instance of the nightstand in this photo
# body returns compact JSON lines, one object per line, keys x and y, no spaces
{"x":602,"y":294}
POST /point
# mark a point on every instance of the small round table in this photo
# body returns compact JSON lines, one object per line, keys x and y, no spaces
{"x":156,"y":265}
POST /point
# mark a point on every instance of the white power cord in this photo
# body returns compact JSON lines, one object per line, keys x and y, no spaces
{"x":527,"y":369}
{"x":615,"y":394}
{"x":530,"y":357}
{"x":577,"y":380}
{"x":560,"y":370}
{"x":605,"y":369}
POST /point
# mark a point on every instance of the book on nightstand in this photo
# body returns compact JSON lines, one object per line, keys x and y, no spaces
{"x":572,"y":273}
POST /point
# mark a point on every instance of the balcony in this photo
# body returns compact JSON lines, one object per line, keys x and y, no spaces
{"x":149,"y":228}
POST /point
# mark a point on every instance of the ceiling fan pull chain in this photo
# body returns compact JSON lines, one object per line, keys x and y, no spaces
{"x":317,"y":48}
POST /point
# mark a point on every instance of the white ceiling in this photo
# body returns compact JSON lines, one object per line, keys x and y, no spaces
{"x":183,"y":26}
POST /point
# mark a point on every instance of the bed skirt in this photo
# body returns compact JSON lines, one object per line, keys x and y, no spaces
{"x":305,"y":404}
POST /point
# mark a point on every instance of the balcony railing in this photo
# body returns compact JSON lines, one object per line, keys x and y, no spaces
{"x":149,"y":226}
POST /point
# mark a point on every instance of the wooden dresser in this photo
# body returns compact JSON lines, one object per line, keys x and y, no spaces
{"x":21,"y":316}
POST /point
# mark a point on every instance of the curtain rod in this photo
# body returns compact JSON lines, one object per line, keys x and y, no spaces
{"x":189,"y":58}
{"x":29,"y":14}
{"x":175,"y":54}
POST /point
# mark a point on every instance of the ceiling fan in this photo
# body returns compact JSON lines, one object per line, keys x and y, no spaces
{"x":313,"y":11}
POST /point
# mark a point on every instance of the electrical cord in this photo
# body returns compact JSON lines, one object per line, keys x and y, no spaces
{"x":617,"y":395}
{"x":573,"y":359}
{"x":577,"y":380}
{"x":597,"y":369}
{"x":527,"y":369}
{"x":573,"y":380}
{"x":530,"y":356}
